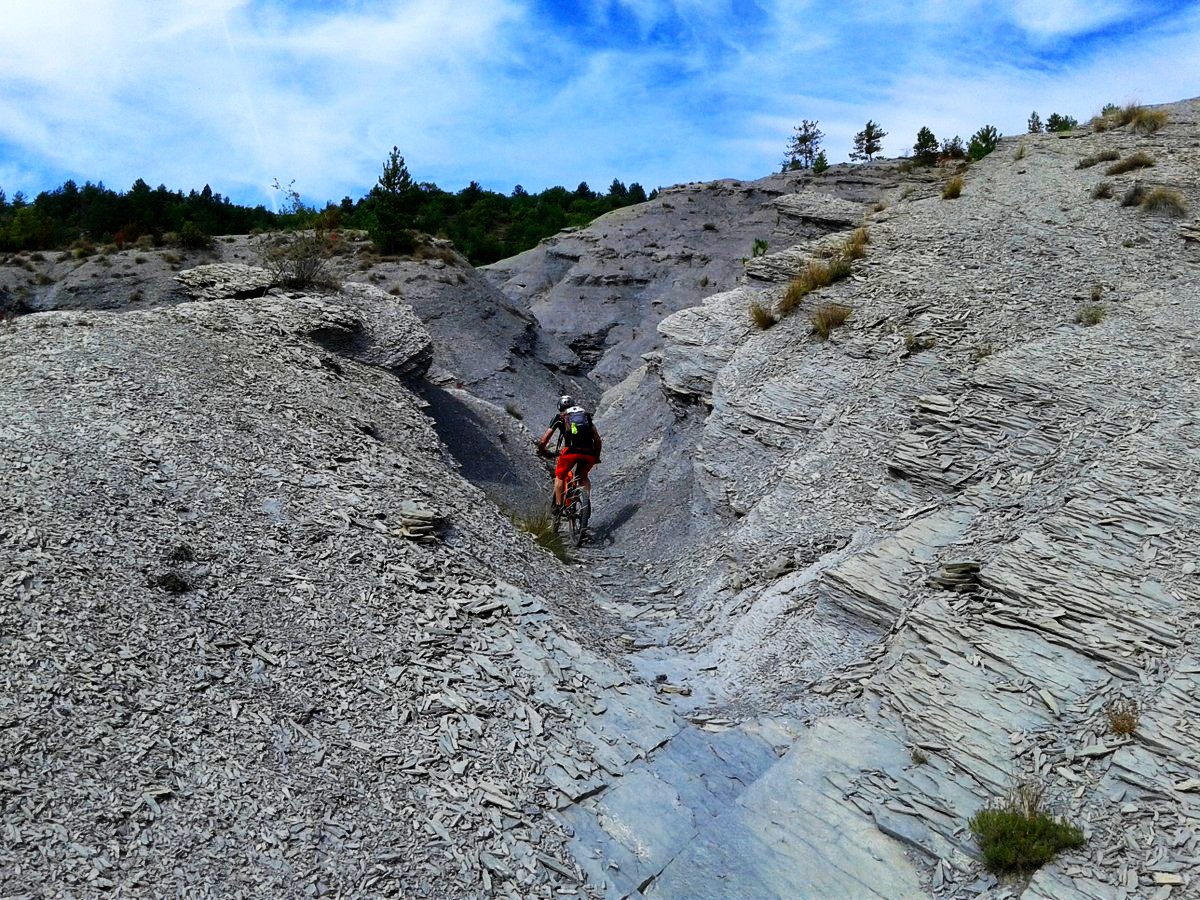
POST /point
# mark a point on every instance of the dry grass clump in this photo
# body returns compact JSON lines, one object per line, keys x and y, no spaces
{"x":1165,"y":202}
{"x":826,"y":318}
{"x":1135,"y":195}
{"x":1102,"y":191}
{"x":1018,"y":835}
{"x":1122,"y":717}
{"x":953,"y":189}
{"x":540,"y":526}
{"x":1148,"y":121}
{"x":914,"y":344}
{"x":1139,"y":160}
{"x":855,"y":246}
{"x":1103,"y":156}
{"x":762,"y":316}
{"x":1021,"y":151}
{"x":1090,"y":314}
{"x":817,"y":275}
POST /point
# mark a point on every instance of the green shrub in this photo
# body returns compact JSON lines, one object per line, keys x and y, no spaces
{"x":190,"y":237}
{"x":759,"y":248}
{"x":825,"y":319}
{"x":1090,"y":314}
{"x":1139,"y":160}
{"x":1103,"y":156}
{"x":1102,"y":191}
{"x":1165,"y":202}
{"x":953,"y":188}
{"x":820,"y":164}
{"x":296,"y":259}
{"x":1058,"y":122}
{"x":982,"y":142}
{"x":1018,"y":835}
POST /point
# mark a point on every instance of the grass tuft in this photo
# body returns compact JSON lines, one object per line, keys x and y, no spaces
{"x":826,"y":318}
{"x":540,"y":526}
{"x":1090,"y":314}
{"x":1122,"y":717}
{"x":1135,"y":195}
{"x":1139,"y":160}
{"x":914,"y":344}
{"x":1102,"y":191}
{"x":855,"y":246}
{"x":1022,"y":150}
{"x":953,"y":189}
{"x":1148,"y":121}
{"x":1103,"y":156}
{"x":817,"y":275}
{"x":762,"y":316}
{"x":1165,"y":202}
{"x":1018,"y":836}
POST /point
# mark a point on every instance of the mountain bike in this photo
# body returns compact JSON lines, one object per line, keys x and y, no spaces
{"x":576,"y":508}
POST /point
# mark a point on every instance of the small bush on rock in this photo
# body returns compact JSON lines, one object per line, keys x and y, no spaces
{"x":759,"y":248}
{"x":296,"y":259}
{"x":1139,"y":160}
{"x":1018,"y":835}
{"x":1165,"y":202}
{"x":817,"y":274}
{"x":1102,"y":191}
{"x":1090,"y":314}
{"x":953,"y":189}
{"x":1122,"y":717}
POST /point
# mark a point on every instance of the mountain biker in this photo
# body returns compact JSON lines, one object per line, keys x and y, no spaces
{"x":581,"y":445}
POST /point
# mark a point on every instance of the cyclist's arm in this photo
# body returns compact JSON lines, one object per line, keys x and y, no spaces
{"x":545,"y":440}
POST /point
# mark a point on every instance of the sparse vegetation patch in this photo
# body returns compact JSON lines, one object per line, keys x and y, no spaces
{"x":1102,"y":191}
{"x":953,"y":188}
{"x":1139,"y":160}
{"x":1018,"y":835}
{"x":1165,"y":202}
{"x":826,"y":318}
{"x":1090,"y":314}
{"x":762,"y":316}
{"x":540,"y":526}
{"x":1122,"y":717}
{"x":1103,"y":156}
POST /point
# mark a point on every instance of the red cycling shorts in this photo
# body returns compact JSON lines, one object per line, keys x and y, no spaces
{"x":583,"y":463}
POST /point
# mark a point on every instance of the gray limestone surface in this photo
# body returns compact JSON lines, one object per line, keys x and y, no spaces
{"x":268,"y":632}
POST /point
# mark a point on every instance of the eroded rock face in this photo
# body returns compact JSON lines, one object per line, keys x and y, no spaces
{"x":609,"y":285}
{"x":947,"y":537}
{"x":259,"y":635}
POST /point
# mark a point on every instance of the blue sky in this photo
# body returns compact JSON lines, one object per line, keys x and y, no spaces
{"x":237,"y":93}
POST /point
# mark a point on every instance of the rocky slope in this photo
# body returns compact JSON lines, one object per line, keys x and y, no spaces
{"x":945,"y":538}
{"x":267,"y":638}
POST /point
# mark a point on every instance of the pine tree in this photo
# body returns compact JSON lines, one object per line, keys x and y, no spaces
{"x":925,"y":150}
{"x":1034,"y":126}
{"x":820,"y":164}
{"x":804,"y":146}
{"x":983,"y":142}
{"x":868,"y":142}
{"x":1058,"y":122}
